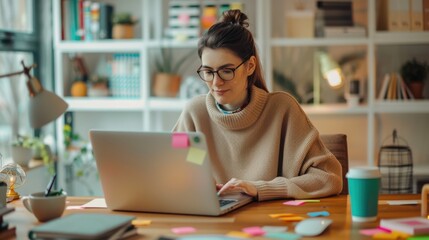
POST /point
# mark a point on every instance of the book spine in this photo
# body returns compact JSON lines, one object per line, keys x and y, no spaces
{"x":87,"y":20}
{"x":426,"y":15}
{"x":106,"y":14}
{"x":416,"y":11}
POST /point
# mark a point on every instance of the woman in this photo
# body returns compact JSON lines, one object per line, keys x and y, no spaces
{"x":260,"y":143}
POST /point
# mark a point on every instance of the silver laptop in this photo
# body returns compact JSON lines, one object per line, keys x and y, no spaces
{"x":161,"y":172}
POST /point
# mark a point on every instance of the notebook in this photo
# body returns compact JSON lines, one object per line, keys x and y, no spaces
{"x":85,"y":226}
{"x":162,"y":172}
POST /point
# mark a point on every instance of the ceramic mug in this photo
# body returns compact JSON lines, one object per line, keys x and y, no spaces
{"x":45,"y":208}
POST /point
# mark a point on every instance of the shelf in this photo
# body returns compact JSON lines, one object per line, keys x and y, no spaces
{"x":401,"y":38}
{"x":167,"y":104}
{"x":412,"y":106}
{"x":334,"y":109}
{"x":104,"y":104}
{"x":297,"y":42}
{"x":166,"y":43}
{"x":101,"y":46}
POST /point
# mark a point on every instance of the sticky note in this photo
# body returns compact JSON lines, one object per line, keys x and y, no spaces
{"x":294,"y":203}
{"x":372,"y":231}
{"x":310,"y":200}
{"x":180,"y":140}
{"x":292,"y":219}
{"x":196,"y":155}
{"x":254,"y":231}
{"x":283,"y":235}
{"x":277,"y":215}
{"x":183,"y":230}
{"x":238,"y":234}
{"x":141,"y":222}
{"x":318,"y":214}
{"x":385,"y":236}
{"x":274,"y":229}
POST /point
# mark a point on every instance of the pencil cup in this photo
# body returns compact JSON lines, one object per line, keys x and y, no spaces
{"x":45,"y":208}
{"x":364,"y":186}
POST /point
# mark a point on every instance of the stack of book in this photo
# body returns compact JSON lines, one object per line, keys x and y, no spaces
{"x":183,"y":20}
{"x":86,"y":20}
{"x":394,"y":88}
{"x":337,"y":18}
{"x":6,"y":231}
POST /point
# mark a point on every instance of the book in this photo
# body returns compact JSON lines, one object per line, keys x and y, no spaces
{"x":84,"y":226}
{"x":6,"y":231}
{"x":412,"y":225}
{"x":416,"y":11}
{"x":384,"y":87}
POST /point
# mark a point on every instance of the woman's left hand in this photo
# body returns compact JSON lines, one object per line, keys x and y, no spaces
{"x":237,"y":184}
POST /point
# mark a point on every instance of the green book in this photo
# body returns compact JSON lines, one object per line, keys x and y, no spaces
{"x":83,"y":226}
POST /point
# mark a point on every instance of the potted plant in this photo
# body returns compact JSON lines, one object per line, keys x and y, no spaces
{"x":98,"y":86}
{"x":414,"y":74}
{"x":22,"y":152}
{"x":123,"y":24}
{"x":166,"y":81}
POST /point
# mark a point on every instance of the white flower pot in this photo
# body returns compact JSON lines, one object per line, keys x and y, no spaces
{"x":21,"y":155}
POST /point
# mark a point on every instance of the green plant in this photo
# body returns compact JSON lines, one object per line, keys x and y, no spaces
{"x":40,"y":150}
{"x":165,"y":62}
{"x":124,"y":18}
{"x":414,"y":71}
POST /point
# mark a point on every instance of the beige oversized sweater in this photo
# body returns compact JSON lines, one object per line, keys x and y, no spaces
{"x":270,"y":143}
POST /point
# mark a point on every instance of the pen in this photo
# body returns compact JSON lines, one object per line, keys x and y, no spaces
{"x":50,"y":184}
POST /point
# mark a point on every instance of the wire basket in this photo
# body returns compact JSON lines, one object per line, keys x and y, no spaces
{"x":395,"y":162}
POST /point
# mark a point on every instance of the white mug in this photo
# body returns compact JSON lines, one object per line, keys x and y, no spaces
{"x":45,"y":208}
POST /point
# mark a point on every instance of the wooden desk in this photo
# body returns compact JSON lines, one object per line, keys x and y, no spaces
{"x":254,"y":214}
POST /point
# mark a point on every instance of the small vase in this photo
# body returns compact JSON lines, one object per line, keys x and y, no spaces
{"x":123,"y":31}
{"x":166,"y":85}
{"x":416,"y":89}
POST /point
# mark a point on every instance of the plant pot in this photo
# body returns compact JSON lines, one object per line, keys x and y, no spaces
{"x":166,"y":85}
{"x":123,"y":31}
{"x":416,"y":89}
{"x":21,"y":155}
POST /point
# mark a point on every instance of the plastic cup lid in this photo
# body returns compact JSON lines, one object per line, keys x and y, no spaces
{"x":364,"y":172}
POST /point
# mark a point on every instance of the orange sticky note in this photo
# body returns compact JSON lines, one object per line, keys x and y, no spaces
{"x":238,"y":234}
{"x":278,"y":215}
{"x":196,"y":155}
{"x":291,"y":219}
{"x":141,"y":222}
{"x":180,"y":140}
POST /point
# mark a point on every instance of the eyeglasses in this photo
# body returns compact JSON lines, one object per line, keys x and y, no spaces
{"x":226,"y":74}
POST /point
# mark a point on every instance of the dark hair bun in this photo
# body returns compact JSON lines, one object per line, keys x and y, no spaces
{"x":235,"y":17}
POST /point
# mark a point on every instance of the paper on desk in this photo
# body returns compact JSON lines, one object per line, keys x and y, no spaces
{"x":95,"y":203}
{"x":400,"y":202}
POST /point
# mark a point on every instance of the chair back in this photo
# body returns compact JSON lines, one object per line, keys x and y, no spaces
{"x":337,"y":144}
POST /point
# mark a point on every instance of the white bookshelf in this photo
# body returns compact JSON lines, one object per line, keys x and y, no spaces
{"x":366,"y":125}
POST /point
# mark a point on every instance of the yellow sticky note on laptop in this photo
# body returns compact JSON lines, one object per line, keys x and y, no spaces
{"x":196,"y":155}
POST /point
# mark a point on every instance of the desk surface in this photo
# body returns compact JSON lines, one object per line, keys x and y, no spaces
{"x":254,"y":214}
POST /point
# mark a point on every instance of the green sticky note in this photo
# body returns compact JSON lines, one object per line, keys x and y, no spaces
{"x":196,"y":155}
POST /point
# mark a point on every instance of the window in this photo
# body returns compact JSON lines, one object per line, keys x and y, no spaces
{"x":18,"y":42}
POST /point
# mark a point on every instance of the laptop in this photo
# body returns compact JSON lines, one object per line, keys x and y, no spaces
{"x":162,"y":172}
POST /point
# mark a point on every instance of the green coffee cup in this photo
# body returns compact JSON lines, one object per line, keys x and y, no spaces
{"x":364,"y":186}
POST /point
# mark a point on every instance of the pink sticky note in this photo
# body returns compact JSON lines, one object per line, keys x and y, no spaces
{"x":254,"y":231}
{"x":180,"y":140}
{"x":183,"y":230}
{"x":372,"y":231}
{"x":294,"y":203}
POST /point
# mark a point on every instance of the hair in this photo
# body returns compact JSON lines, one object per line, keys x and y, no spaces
{"x":231,"y":33}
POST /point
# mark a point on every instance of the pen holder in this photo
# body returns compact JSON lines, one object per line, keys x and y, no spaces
{"x":425,"y":192}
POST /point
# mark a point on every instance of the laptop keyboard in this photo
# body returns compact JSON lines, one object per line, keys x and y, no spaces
{"x":224,"y":202}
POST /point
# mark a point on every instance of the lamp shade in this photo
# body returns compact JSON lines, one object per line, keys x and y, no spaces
{"x":45,"y":107}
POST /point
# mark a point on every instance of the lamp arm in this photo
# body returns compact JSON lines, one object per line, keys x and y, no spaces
{"x":33,"y":84}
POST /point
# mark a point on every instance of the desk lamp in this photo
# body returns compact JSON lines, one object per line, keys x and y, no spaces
{"x":14,"y":176}
{"x":330,"y":71}
{"x":44,"y":106}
